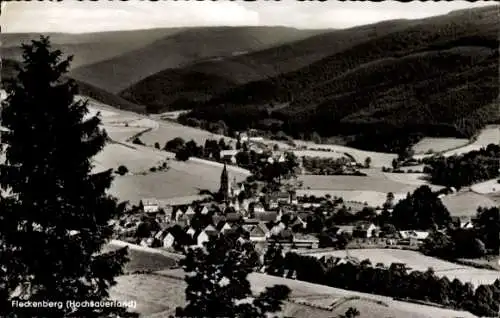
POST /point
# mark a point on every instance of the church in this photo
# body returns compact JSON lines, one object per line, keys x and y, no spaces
{"x":229,"y":191}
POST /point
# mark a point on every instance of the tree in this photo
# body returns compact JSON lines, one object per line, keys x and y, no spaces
{"x":368,"y":161}
{"x":157,"y":145}
{"x":420,"y":210}
{"x":122,"y":170}
{"x":182,"y":154}
{"x":217,"y":284}
{"x":174,"y":145}
{"x":137,"y":141}
{"x":351,"y":313}
{"x":55,"y":223}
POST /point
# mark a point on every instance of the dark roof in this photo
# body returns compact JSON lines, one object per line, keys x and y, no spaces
{"x":266,"y":216}
{"x":234,"y":216}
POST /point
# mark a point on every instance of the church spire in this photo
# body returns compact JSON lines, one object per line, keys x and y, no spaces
{"x":224,"y":184}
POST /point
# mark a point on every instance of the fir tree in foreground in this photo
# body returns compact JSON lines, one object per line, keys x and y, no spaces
{"x":54,"y":221}
{"x":217,"y":284}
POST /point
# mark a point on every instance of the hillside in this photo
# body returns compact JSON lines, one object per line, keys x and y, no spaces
{"x":434,"y":78}
{"x":181,"y":48}
{"x":9,"y":71}
{"x":87,"y":48}
{"x":225,"y":73}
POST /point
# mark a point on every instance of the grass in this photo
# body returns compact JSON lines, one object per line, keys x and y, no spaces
{"x":181,"y":179}
{"x":142,"y":260}
{"x":489,"y":135}
{"x":378,"y":159}
{"x":420,"y":262}
{"x":158,"y":295}
{"x":436,"y":145}
{"x":490,"y":186}
{"x":355,"y":183}
{"x":465,"y":204}
{"x":169,"y":130}
{"x":372,"y":198}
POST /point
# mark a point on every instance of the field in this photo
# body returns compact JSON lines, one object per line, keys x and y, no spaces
{"x":169,"y":130}
{"x":490,"y":186}
{"x":181,"y":179}
{"x":465,"y":204}
{"x":437,"y":145}
{"x":142,"y":258}
{"x":489,"y":135}
{"x":372,"y":198}
{"x":378,"y":159}
{"x":158,"y":295}
{"x":420,"y":262}
{"x":320,"y":154}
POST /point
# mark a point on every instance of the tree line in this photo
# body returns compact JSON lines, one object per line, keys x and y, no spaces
{"x":393,"y":281}
{"x":466,"y":169}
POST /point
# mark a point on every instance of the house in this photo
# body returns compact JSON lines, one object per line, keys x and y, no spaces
{"x":201,"y":209}
{"x":242,"y":137}
{"x":150,"y":205}
{"x":206,"y":234}
{"x":276,"y":230}
{"x":285,"y":236}
{"x":413,"y":236}
{"x":228,"y":155}
{"x":364,"y":230}
{"x":233,"y":217}
{"x":258,"y":232}
{"x":344,"y":229}
{"x":256,"y":207}
{"x":283,"y":197}
{"x":168,"y":241}
{"x":266,"y":216}
{"x":191,"y":232}
{"x":178,"y":215}
{"x":225,"y":227}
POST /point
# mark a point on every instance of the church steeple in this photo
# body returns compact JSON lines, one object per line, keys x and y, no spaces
{"x":224,"y":184}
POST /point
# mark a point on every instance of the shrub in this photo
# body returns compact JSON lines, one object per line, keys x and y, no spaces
{"x":122,"y":170}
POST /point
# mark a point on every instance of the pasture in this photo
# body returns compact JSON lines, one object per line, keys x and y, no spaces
{"x":157,"y":296}
{"x":320,"y":154}
{"x":487,"y":187}
{"x":378,"y":159}
{"x":355,"y":183}
{"x":142,"y":258}
{"x":372,"y":198}
{"x":465,"y":204}
{"x":169,"y":130}
{"x":181,"y":179}
{"x":420,"y":262}
{"x":437,"y":145}
{"x":489,"y":135}
{"x":137,"y":159}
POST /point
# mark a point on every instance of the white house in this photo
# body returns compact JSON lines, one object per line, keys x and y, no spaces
{"x":416,"y":235}
{"x":168,"y":241}
{"x":150,"y":205}
{"x":191,"y":232}
{"x":258,"y":208}
{"x":205,"y":235}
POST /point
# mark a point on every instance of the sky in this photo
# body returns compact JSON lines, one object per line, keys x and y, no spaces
{"x":88,"y":16}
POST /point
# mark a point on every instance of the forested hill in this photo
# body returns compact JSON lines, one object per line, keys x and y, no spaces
{"x":438,"y":78}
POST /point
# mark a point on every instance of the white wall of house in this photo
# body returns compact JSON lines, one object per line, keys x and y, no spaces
{"x":168,"y":241}
{"x":202,"y":238}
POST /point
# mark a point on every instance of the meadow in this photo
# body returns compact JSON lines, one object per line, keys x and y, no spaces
{"x":436,"y":145}
{"x":378,"y":159}
{"x":487,"y":187}
{"x":181,"y":179}
{"x":489,"y":135}
{"x":157,"y":295}
{"x":420,"y":262}
{"x":465,"y":204}
{"x":143,"y":258}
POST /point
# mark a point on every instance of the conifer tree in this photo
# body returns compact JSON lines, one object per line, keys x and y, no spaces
{"x":54,"y":218}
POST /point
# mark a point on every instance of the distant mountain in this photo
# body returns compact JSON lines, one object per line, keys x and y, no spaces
{"x":87,"y":48}
{"x":8,"y":72}
{"x":437,"y":77}
{"x":157,"y":90}
{"x":181,"y":48}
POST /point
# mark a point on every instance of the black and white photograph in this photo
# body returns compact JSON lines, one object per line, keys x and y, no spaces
{"x":251,"y":159}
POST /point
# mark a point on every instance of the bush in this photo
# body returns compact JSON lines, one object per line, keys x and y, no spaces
{"x":122,"y":170}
